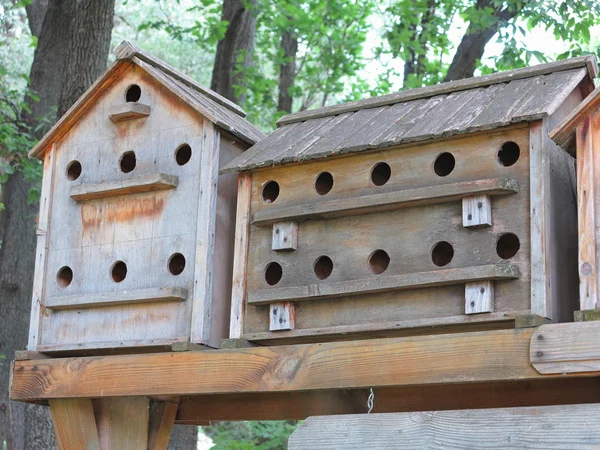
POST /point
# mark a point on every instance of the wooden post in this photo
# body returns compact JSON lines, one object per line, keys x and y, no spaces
{"x":122,"y":422}
{"x":162,"y":419}
{"x":74,"y":424}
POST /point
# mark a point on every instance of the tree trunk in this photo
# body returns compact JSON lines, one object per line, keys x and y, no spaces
{"x":287,"y":70}
{"x":64,"y":48}
{"x":234,"y":51}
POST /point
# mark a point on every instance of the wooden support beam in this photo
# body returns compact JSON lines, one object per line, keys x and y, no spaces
{"x":445,"y":358}
{"x":74,"y":424}
{"x":162,"y":419}
{"x":548,"y":427}
{"x":122,"y":422}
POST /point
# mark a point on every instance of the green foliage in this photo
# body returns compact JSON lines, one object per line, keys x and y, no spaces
{"x":271,"y":435}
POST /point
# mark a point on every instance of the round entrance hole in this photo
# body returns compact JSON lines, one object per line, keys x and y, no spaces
{"x":183,"y":154}
{"x":118,"y":271}
{"x":270,"y":191}
{"x":323,"y":267}
{"x":133,"y":93}
{"x":509,"y":153}
{"x":381,"y":173}
{"x":323,"y":183}
{"x":128,"y":162}
{"x":444,"y":164}
{"x":507,"y":246}
{"x":273,"y":273}
{"x":176,"y":263}
{"x":442,"y":253}
{"x":379,"y":261}
{"x":73,"y":170}
{"x":64,"y":276}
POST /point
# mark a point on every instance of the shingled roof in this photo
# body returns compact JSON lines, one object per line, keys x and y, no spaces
{"x":214,"y":107}
{"x":447,"y":109}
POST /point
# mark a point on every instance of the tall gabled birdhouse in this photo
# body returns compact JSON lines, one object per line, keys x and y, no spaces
{"x":446,"y":206}
{"x":135,"y":229}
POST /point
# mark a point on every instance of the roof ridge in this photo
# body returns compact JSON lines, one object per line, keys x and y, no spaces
{"x":127,"y":50}
{"x":588,"y":61}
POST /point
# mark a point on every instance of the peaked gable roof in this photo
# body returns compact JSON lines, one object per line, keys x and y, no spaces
{"x":216,"y":108}
{"x":447,"y":109}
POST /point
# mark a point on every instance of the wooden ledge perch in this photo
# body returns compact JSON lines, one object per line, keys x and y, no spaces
{"x":385,"y":201}
{"x":85,"y":301}
{"x":444,"y":277}
{"x":135,"y":185}
{"x":127,"y":111}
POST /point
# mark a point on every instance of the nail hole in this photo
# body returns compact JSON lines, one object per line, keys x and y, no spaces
{"x":128,"y":162}
{"x":442,"y":253}
{"x":507,"y":246}
{"x":118,"y":271}
{"x":133,"y":93}
{"x":379,"y":261}
{"x":73,"y":170}
{"x":323,"y":267}
{"x":176,"y":263}
{"x":323,"y":183}
{"x":270,"y":191}
{"x":183,"y":154}
{"x":509,"y":153}
{"x":444,"y":164}
{"x":381,"y":173}
{"x":273,"y":273}
{"x":64,"y":276}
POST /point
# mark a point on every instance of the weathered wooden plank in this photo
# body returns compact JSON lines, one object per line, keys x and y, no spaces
{"x":563,"y":133}
{"x":74,"y":424}
{"x":405,"y":198}
{"x":128,"y":111}
{"x":122,"y":422}
{"x":116,"y":298}
{"x":161,"y":421}
{"x":479,"y":297}
{"x":566,"y":348}
{"x":281,"y":316}
{"x":444,"y":88}
{"x":205,"y":235}
{"x":240,"y":259}
{"x":477,"y":211}
{"x":442,"y":277}
{"x":285,"y":236}
{"x":419,"y":360}
{"x":545,"y":427}
{"x":134,"y":185}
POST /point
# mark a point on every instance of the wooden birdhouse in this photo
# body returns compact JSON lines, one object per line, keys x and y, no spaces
{"x":446,"y":206}
{"x":579,"y":134}
{"x":136,"y":228}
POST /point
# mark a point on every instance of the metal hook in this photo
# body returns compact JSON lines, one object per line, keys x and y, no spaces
{"x":370,"y":400}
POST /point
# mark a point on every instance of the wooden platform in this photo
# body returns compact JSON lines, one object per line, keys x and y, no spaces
{"x":419,"y":373}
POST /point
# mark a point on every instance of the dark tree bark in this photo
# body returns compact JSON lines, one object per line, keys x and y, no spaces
{"x":471,"y":47}
{"x":415,"y":63}
{"x":28,"y":426}
{"x":234,"y":51}
{"x":287,"y":70}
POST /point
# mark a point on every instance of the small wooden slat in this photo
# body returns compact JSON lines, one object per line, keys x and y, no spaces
{"x":442,"y":277}
{"x":128,"y":111}
{"x":285,"y":236}
{"x":162,"y":419}
{"x":477,"y":211}
{"x":205,"y":235}
{"x":544,"y":427}
{"x":405,"y":198}
{"x":282,"y":316}
{"x":566,"y":348}
{"x":501,"y":355}
{"x":240,"y":258}
{"x":479,"y":297}
{"x":587,"y":138}
{"x":116,"y":298}
{"x":134,"y":185}
{"x":122,"y":422}
{"x":74,"y":424}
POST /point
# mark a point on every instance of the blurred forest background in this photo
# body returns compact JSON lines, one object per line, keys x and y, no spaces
{"x":271,"y":57}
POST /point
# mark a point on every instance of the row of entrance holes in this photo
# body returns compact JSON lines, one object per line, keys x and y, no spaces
{"x":442,"y":253}
{"x":381,"y":172}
